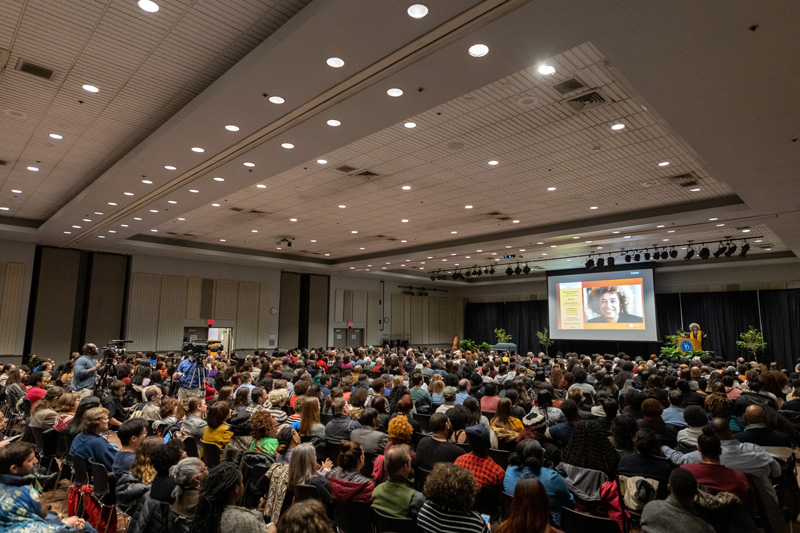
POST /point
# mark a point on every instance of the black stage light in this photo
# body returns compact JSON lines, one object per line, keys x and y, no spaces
{"x":486,"y":270}
{"x":491,"y":270}
{"x":518,"y":270}
{"x":601,"y":262}
{"x":637,"y":257}
{"x":720,"y":250}
{"x":673,"y":253}
{"x":628,"y":258}
{"x":647,"y":256}
{"x":731,"y":250}
{"x":705,"y":253}
{"x":527,"y":269}
{"x":478,"y":272}
{"x":611,"y":261}
{"x":745,"y":249}
{"x":454,"y":276}
{"x":509,"y":271}
{"x":689,"y":254}
{"x":589,"y":263}
{"x":433,"y":277}
{"x":468,"y":273}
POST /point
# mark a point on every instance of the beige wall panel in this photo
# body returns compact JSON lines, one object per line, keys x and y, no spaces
{"x":143,"y":306}
{"x":406,"y":317}
{"x":338,"y":307}
{"x":172,"y":312}
{"x":359,"y":307}
{"x":415,"y":329}
{"x":458,"y":317}
{"x":373,"y":333}
{"x":264,"y":317}
{"x":246,"y":331}
{"x":225,"y":295}
{"x":194,"y":295}
{"x":433,"y":320}
{"x":445,"y":337}
{"x":425,"y":311}
{"x":11,"y":306}
{"x":396,"y":323}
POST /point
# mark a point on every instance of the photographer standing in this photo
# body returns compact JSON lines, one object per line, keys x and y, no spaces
{"x":84,"y":379}
{"x":192,"y":375}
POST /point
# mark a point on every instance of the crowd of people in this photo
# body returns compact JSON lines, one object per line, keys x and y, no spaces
{"x":455,"y":442}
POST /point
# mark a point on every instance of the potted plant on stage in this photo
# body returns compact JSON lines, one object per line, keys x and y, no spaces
{"x":501,"y":335}
{"x":752,"y":342}
{"x":545,"y":340}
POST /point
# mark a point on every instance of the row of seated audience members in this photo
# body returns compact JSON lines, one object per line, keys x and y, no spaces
{"x":650,"y":442}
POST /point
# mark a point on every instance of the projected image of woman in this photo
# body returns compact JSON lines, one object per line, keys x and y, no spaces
{"x":611,"y":304}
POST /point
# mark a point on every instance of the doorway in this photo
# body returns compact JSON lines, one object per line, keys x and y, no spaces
{"x":223,"y":336}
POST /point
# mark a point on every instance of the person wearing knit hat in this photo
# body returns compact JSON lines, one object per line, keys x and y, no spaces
{"x":487,"y":473}
{"x":534,"y":421}
{"x":277,"y":397}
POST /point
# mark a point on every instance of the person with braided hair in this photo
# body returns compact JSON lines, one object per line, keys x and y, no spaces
{"x":216,"y":509}
{"x":588,"y":447}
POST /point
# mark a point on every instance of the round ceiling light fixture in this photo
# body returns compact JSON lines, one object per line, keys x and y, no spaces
{"x":231,"y":127}
{"x":148,"y":5}
{"x":417,"y":11}
{"x":478,"y":50}
{"x":547,"y":70}
{"x":90,"y":88}
{"x":335,"y":62}
{"x":395,"y":92}
{"x":276,"y":99}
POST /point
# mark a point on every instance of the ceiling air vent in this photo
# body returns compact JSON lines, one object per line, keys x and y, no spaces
{"x":237,"y":209}
{"x":257,"y":212}
{"x":586,"y":101}
{"x":171,"y":233}
{"x":684,"y":180}
{"x":3,"y":162}
{"x":346,"y":169}
{"x":35,"y":70}
{"x":367,"y":174}
{"x":568,"y":86}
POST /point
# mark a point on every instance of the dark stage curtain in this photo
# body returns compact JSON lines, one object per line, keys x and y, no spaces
{"x":722,"y":315}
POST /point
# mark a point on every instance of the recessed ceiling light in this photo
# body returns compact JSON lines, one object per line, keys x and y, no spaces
{"x":128,"y":193}
{"x":148,"y":5}
{"x":404,"y":220}
{"x":627,"y":237}
{"x":215,"y":205}
{"x":544,"y":253}
{"x":288,"y":146}
{"x":112,"y":203}
{"x":712,"y":219}
{"x":467,"y":207}
{"x":147,"y":182}
{"x":417,"y":11}
{"x":276,"y":99}
{"x":16,"y":191}
{"x":720,"y":225}
{"x":515,"y":221}
{"x":665,"y":240}
{"x":112,"y":231}
{"x":588,"y":242}
{"x":335,"y":62}
{"x":599,"y":247}
{"x":154,"y":230}
{"x":757,"y":240}
{"x":292,"y":220}
{"x":553,"y":246}
{"x":395,"y":92}
{"x":313,"y":240}
{"x":410,"y":125}
{"x":56,"y":136}
{"x":98,"y":213}
{"x":68,"y":232}
{"x":540,"y":242}
{"x":170,"y":167}
{"x":593,"y":207}
{"x":615,"y":232}
{"x":248,"y":164}
{"x":261,"y":186}
{"x":322,"y":161}
{"x":254,"y":231}
{"x":91,"y":88}
{"x":453,"y":233}
{"x":478,"y":50}
{"x":362,"y":248}
{"x":76,"y":227}
{"x":477,"y":251}
{"x":223,"y":240}
{"x":327,"y":255}
{"x":124,"y":225}
{"x":87,"y":219}
{"x":768,"y":249}
{"x":617,"y":127}
{"x":352,"y":268}
{"x":577,"y":237}
{"x":660,"y":226}
{"x":334,"y":123}
{"x":670,"y":231}
{"x":521,"y":250}
{"x":406,"y":187}
{"x":745,"y":231}
{"x":154,"y":210}
{"x":33,"y":169}
{"x":194,"y":190}
{"x":664,"y":164}
{"x":353,"y":232}
{"x":547,"y":70}
{"x":279,"y":248}
{"x":101,"y":236}
{"x":231,"y":127}
{"x":695,"y":189}
{"x":342,"y":206}
{"x":197,"y":149}
{"x":139,"y":218}
{"x":217,"y":178}
{"x":551,"y":188}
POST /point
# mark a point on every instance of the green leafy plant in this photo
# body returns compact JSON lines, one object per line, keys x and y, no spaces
{"x":671,"y":348}
{"x":485,"y":347}
{"x":501,"y":335}
{"x":752,"y":342}
{"x":545,"y":340}
{"x":467,"y":345}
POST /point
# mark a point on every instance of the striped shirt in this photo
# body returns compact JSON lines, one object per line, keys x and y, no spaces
{"x":435,"y":519}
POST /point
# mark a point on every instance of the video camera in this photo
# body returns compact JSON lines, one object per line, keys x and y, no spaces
{"x":115,"y":348}
{"x":199,"y":347}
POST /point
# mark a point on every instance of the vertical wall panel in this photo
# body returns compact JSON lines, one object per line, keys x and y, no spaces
{"x":11,"y":305}
{"x":143,"y":306}
{"x":194,"y":295}
{"x":264,"y":317}
{"x":347,"y":311}
{"x":106,"y":298}
{"x":172,"y":311}
{"x":359,"y":307}
{"x":247,"y":318}
{"x":318,"y":311}
{"x":207,"y":299}
{"x":425,"y":311}
{"x":433,"y":320}
{"x":289,"y":325}
{"x":458,"y":317}
{"x":444,"y":321}
{"x":225,"y":300}
{"x":406,"y":317}
{"x":415,"y":331}
{"x":397,"y":316}
{"x":373,"y":318}
{"x":338,"y":305}
{"x":54,"y":320}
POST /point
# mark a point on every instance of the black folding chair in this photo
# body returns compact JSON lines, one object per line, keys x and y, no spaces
{"x":575,"y":522}
{"x":353,"y":517}
{"x":369,"y":463}
{"x":390,"y":524}
{"x":505,"y":506}
{"x":38,"y":439}
{"x":211,"y":454}
{"x":424,"y":421}
{"x":487,"y":502}
{"x":103,"y":491}
{"x":464,"y":446}
{"x":500,"y":457}
{"x":306,"y":492}
{"x":332,"y":449}
{"x":420,"y":475}
{"x":324,"y":419}
{"x":190,"y":446}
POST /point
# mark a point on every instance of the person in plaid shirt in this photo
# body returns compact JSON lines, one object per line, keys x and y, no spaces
{"x":487,"y":473}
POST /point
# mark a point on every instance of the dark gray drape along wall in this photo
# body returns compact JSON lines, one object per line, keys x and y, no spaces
{"x":303,"y":310}
{"x":722,"y":315}
{"x":76,"y":297}
{"x":289,"y":311}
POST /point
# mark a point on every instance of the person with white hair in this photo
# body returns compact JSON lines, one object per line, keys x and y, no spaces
{"x":187,"y":474}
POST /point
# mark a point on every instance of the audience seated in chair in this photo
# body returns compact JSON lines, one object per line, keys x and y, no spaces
{"x":90,"y":443}
{"x":675,"y":513}
{"x":438,"y":448}
{"x":396,"y":497}
{"x":450,"y":492}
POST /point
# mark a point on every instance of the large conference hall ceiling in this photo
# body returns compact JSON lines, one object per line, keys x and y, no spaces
{"x":220,"y":130}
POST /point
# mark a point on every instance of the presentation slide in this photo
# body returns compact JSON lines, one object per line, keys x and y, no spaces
{"x":609,"y":305}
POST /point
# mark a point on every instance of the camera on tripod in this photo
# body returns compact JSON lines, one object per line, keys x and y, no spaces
{"x":115,"y":348}
{"x":200,"y":347}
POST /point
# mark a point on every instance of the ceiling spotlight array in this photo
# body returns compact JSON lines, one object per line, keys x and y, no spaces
{"x":725,"y":247}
